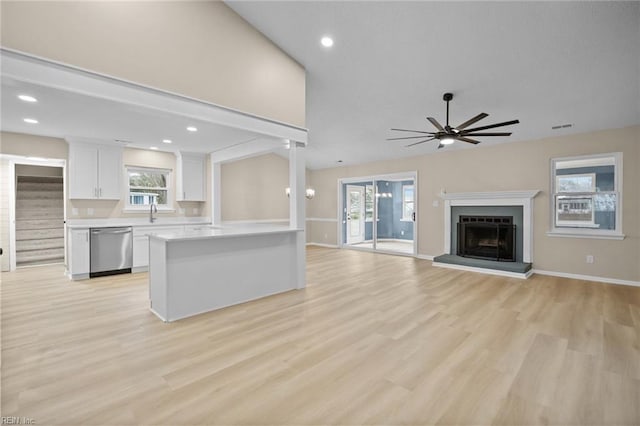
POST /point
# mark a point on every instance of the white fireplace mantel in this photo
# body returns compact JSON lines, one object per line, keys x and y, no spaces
{"x":523,"y":199}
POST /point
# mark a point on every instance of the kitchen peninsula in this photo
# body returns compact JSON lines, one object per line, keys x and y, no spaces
{"x":193,"y":272}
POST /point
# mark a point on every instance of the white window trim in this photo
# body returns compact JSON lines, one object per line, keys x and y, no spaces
{"x":587,"y":232}
{"x":403,"y":218}
{"x":131,"y":208}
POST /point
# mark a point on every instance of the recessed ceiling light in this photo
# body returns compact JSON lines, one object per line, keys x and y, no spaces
{"x":326,"y":41}
{"x":447,"y":141}
{"x":30,"y":120}
{"x":27,"y":98}
{"x":192,"y":129}
{"x":166,"y":140}
{"x":153,"y":147}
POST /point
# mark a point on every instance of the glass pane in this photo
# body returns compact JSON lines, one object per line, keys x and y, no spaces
{"x":407,"y":213}
{"x":408,"y":193}
{"x":575,"y":211}
{"x":142,"y":197}
{"x":355,"y":205}
{"x":576,"y":183}
{"x":148,"y":179}
{"x":605,"y":210}
{"x":368,"y":203}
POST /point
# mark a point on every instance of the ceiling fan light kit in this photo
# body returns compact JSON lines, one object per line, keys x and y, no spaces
{"x":447,"y":135}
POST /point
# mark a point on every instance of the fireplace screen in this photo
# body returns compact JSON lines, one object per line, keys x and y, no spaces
{"x":487,"y":237}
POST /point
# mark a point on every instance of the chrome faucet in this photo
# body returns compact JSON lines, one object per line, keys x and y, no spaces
{"x":152,"y":209}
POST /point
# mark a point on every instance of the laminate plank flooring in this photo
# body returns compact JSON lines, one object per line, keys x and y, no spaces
{"x":373,"y":339}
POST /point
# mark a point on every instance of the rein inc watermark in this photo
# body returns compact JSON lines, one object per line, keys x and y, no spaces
{"x":14,"y":420}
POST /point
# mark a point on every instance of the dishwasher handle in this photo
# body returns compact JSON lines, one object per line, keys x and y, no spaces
{"x":110,"y":231}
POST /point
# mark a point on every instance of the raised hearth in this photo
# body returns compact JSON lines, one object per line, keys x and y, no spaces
{"x":521,"y":267}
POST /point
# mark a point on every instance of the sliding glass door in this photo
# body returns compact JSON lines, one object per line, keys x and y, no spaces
{"x":379,"y":213}
{"x":395,"y":201}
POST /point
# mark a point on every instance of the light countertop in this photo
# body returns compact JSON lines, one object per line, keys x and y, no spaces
{"x":210,"y":232}
{"x":137,"y":222}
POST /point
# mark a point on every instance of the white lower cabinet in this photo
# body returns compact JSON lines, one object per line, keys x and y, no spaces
{"x":141,"y":243}
{"x":79,"y":260}
{"x":140,"y":253}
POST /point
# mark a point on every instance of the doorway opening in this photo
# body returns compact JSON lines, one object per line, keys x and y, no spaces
{"x":379,"y":213}
{"x":39,"y":217}
{"x":37,"y":211}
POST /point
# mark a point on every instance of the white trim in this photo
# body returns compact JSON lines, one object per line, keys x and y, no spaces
{"x":32,"y":161}
{"x":488,"y":195}
{"x":584,"y":161}
{"x":587,"y":278}
{"x":601,"y":235}
{"x":523,"y":199}
{"x":335,"y":246}
{"x":509,"y":274}
{"x":322,"y":219}
{"x":425,"y":256}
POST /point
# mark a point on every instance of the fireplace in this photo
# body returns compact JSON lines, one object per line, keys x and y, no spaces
{"x":487,"y":237}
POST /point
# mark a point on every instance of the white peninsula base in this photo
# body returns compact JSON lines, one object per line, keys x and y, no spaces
{"x":200,"y":271}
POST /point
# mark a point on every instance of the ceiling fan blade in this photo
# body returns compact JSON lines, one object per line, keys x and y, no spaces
{"x":490,"y":126}
{"x":408,"y":137}
{"x":417,"y":143}
{"x":416,"y":131}
{"x":472,"y":120}
{"x":435,"y":123}
{"x":473,"y":141}
{"x":489,"y":134}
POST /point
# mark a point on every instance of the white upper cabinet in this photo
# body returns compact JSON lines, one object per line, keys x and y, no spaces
{"x":94,"y":171}
{"x":190,"y":179}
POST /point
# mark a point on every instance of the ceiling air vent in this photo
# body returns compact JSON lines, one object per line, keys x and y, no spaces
{"x":561,"y":126}
{"x":122,"y":141}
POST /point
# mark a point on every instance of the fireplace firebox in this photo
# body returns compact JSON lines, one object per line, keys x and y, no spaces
{"x":487,"y":237}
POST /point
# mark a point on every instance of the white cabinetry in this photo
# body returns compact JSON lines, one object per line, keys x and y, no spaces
{"x":191,"y":169}
{"x":94,"y":171}
{"x":141,"y":243}
{"x":79,"y":261}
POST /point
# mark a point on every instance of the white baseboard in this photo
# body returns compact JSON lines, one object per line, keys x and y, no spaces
{"x":519,"y":275}
{"x":587,"y":278}
{"x":322,"y":219}
{"x":323,"y":245}
{"x":425,"y":256}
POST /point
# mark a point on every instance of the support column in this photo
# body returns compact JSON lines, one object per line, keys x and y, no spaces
{"x":216,"y":189}
{"x":297,"y":216}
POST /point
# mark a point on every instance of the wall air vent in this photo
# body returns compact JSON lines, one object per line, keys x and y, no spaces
{"x":561,"y":126}
{"x":122,"y":142}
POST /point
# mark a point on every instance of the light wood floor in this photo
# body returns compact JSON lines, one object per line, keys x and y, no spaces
{"x":374,"y":339}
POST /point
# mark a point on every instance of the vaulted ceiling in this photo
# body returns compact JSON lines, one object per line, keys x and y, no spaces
{"x":544,"y":63}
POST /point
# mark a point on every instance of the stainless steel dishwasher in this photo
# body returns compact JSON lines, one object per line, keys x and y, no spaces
{"x":111,"y":251}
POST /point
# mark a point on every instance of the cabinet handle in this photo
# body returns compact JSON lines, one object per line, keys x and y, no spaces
{"x":100,"y":192}
{"x":184,"y":195}
{"x":87,"y":236}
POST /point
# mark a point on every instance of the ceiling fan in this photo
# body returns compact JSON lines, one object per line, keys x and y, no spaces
{"x":447,"y":135}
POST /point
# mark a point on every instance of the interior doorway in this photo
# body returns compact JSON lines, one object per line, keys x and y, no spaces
{"x":379,"y":213}
{"x":39,"y":219}
{"x":37,"y":211}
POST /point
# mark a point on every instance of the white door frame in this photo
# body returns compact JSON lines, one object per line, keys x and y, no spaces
{"x":31,"y":161}
{"x":374,"y":178}
{"x":362,"y":220}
